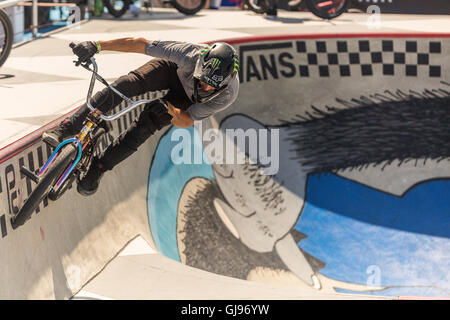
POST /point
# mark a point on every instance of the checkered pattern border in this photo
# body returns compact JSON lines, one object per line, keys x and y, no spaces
{"x":353,"y":57}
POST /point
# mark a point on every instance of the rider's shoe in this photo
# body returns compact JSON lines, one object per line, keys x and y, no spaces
{"x":271,"y":13}
{"x":89,"y":184}
{"x":58,"y":134}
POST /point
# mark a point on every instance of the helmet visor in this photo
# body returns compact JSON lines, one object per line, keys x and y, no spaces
{"x":201,"y":95}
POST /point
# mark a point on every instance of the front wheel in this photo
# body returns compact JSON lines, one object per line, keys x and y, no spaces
{"x":327,"y":9}
{"x":189,"y":7}
{"x":117,"y":8}
{"x":6,"y":36}
{"x":54,"y":172}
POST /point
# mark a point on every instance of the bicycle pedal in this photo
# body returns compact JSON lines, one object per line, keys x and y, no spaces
{"x":30,"y":174}
{"x":50,"y":142}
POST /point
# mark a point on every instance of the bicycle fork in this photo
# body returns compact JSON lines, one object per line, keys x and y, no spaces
{"x":37,"y":177}
{"x":80,"y":144}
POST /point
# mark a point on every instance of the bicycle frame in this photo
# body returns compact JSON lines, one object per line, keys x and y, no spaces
{"x":133,"y":104}
{"x":84,"y":137}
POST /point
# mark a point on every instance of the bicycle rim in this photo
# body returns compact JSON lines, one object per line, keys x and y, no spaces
{"x":327,"y":9}
{"x":189,"y":6}
{"x":117,"y":4}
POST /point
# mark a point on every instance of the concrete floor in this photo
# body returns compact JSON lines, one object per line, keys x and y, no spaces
{"x":44,"y":70}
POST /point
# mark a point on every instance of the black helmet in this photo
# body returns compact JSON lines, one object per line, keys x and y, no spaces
{"x":216,"y":66}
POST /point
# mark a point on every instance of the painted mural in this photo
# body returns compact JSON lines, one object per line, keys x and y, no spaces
{"x":358,"y":203}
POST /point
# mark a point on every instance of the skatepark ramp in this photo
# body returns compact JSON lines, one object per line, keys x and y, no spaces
{"x":330,"y":173}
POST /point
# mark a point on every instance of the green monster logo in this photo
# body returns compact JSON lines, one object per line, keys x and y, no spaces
{"x":205,"y":50}
{"x":216,"y":63}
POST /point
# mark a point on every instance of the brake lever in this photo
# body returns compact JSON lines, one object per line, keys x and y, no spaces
{"x":83,"y":64}
{"x":77,"y":63}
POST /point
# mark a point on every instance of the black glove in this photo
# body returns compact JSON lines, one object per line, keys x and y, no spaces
{"x":85,"y":50}
{"x":158,"y":113}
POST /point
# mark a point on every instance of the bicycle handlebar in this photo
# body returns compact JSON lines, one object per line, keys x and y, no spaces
{"x":133,"y":104}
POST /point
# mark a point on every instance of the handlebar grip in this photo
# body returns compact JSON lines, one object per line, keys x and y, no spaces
{"x":72,"y":45}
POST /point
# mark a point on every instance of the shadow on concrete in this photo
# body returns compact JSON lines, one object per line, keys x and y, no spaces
{"x":150,"y":15}
{"x":35,"y":121}
{"x":6,"y":76}
{"x":288,"y":20}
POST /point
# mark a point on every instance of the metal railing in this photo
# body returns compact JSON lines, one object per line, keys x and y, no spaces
{"x":34,"y":4}
{"x":34,"y":19}
{"x":8,"y":3}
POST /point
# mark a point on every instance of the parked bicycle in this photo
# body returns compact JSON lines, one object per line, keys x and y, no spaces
{"x":117,"y":8}
{"x":325,"y":9}
{"x":6,"y":36}
{"x":71,"y":159}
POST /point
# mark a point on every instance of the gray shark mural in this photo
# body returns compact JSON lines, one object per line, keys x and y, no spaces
{"x":359,"y":202}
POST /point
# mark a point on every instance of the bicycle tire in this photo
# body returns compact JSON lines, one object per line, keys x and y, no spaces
{"x":311,"y":4}
{"x":55,"y":195}
{"x":5,"y":47}
{"x":257,"y":6}
{"x":53,"y":173}
{"x":112,"y":10}
{"x":188,"y":11}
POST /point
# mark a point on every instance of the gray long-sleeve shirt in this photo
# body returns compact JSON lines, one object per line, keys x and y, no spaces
{"x":185,"y":55}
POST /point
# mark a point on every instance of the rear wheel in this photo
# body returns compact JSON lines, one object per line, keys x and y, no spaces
{"x":42,"y":189}
{"x":6,"y":36}
{"x":189,"y":7}
{"x":327,"y":9}
{"x":117,"y":8}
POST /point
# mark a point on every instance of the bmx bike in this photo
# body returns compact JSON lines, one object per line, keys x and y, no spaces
{"x":325,"y":9}
{"x":6,"y":36}
{"x":71,"y":159}
{"x":117,"y":8}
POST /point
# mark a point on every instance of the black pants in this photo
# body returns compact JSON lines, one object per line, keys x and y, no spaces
{"x":155,"y":75}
